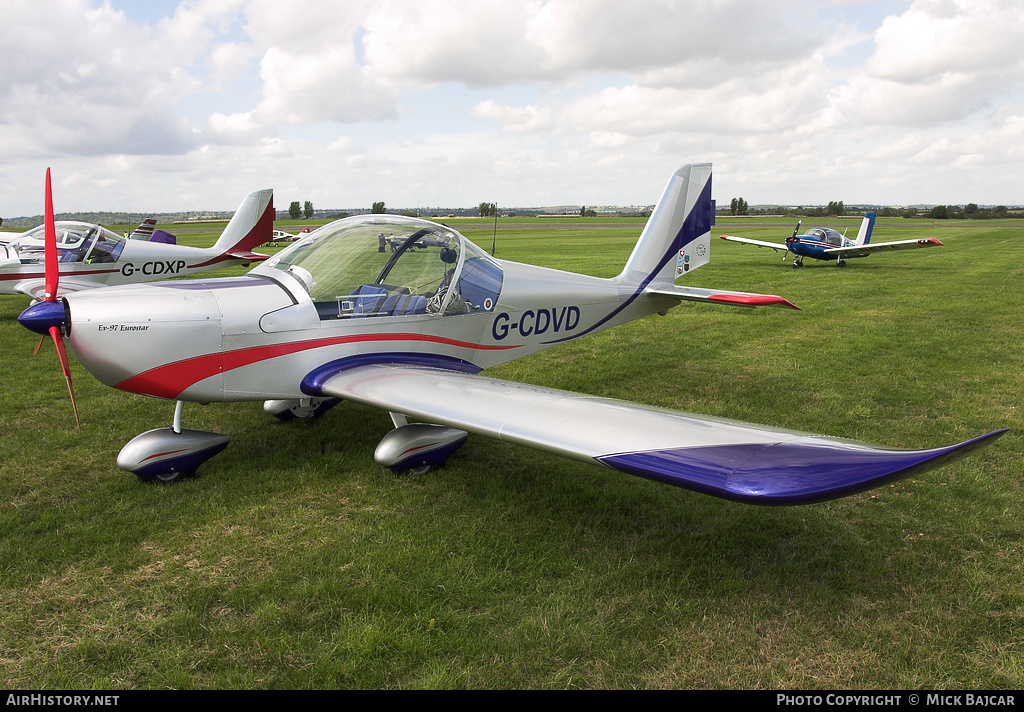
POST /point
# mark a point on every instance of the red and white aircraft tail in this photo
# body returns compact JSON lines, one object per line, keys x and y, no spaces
{"x":251,"y":226}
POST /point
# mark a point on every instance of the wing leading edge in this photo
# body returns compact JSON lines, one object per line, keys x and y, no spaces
{"x":36,"y":287}
{"x":759,"y":243}
{"x":743,"y":462}
{"x":861,"y":250}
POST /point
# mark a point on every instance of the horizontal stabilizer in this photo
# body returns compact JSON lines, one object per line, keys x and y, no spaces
{"x":248,"y":256}
{"x":715,"y":296}
{"x":739,"y":461}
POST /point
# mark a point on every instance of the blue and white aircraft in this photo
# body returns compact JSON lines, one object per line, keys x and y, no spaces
{"x":333,"y":318}
{"x":824,"y":243}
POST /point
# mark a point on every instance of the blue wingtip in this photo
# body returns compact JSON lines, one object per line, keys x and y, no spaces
{"x":800,"y":471}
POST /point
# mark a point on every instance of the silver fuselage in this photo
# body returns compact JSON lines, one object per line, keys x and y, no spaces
{"x":257,"y":337}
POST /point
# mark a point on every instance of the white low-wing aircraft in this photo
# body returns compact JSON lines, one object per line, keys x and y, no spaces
{"x":333,"y":318}
{"x":824,"y":243}
{"x":90,"y":256}
{"x":283,"y":236}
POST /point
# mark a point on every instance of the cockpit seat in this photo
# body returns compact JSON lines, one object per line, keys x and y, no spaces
{"x":368,"y":299}
{"x":374,"y":300}
{"x":399,"y":304}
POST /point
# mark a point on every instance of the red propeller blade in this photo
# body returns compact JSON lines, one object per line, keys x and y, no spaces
{"x":52,"y":281}
{"x":50,"y":247}
{"x":58,"y":341}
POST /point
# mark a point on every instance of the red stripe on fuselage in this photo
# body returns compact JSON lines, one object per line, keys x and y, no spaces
{"x":42,"y":275}
{"x":169,"y":380}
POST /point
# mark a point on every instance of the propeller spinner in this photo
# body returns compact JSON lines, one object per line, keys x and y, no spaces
{"x":49,"y":316}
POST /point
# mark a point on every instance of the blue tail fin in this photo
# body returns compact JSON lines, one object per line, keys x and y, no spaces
{"x":866,"y":226}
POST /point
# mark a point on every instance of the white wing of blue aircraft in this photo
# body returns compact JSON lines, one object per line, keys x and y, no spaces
{"x":334,"y":317}
{"x":823,"y":243}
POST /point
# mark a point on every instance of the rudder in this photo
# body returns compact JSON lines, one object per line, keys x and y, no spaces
{"x":677,"y":237}
{"x":866,"y":226}
{"x":252,"y":224}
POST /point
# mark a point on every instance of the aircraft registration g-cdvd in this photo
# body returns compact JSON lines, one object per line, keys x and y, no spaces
{"x":340,"y":316}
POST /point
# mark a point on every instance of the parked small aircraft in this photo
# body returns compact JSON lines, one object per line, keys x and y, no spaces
{"x":92,"y":256}
{"x":282,"y":236}
{"x":144,"y":231}
{"x":824,"y":243}
{"x":395,"y":242}
{"x":332,"y":318}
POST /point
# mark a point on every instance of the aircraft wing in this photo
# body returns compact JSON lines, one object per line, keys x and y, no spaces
{"x":717,"y":296}
{"x":748,"y":463}
{"x":746,"y":241}
{"x":36,"y":288}
{"x":861,"y":250}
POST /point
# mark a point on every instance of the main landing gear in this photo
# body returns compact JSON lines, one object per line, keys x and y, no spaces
{"x":169,"y":455}
{"x":417,"y":447}
{"x":412,"y":447}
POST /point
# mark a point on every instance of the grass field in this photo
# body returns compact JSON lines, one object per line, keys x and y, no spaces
{"x":294,"y":561}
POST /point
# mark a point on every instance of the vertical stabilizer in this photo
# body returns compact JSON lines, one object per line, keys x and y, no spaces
{"x":677,"y":237}
{"x":866,"y":226}
{"x":252,"y":224}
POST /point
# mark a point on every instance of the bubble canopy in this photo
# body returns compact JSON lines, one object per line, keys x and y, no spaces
{"x":76,"y":242}
{"x":388,"y":265}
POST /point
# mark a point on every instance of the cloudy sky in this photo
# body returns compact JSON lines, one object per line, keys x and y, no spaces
{"x":146,"y":105}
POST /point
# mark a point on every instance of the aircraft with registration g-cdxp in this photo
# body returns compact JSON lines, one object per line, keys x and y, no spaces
{"x":824,"y":243}
{"x":333,"y":317}
{"x":92,"y":256}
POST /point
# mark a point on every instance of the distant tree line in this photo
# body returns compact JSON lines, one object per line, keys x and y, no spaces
{"x":295,"y":212}
{"x":971,"y":211}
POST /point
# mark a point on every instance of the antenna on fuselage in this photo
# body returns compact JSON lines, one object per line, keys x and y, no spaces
{"x":494,"y":238}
